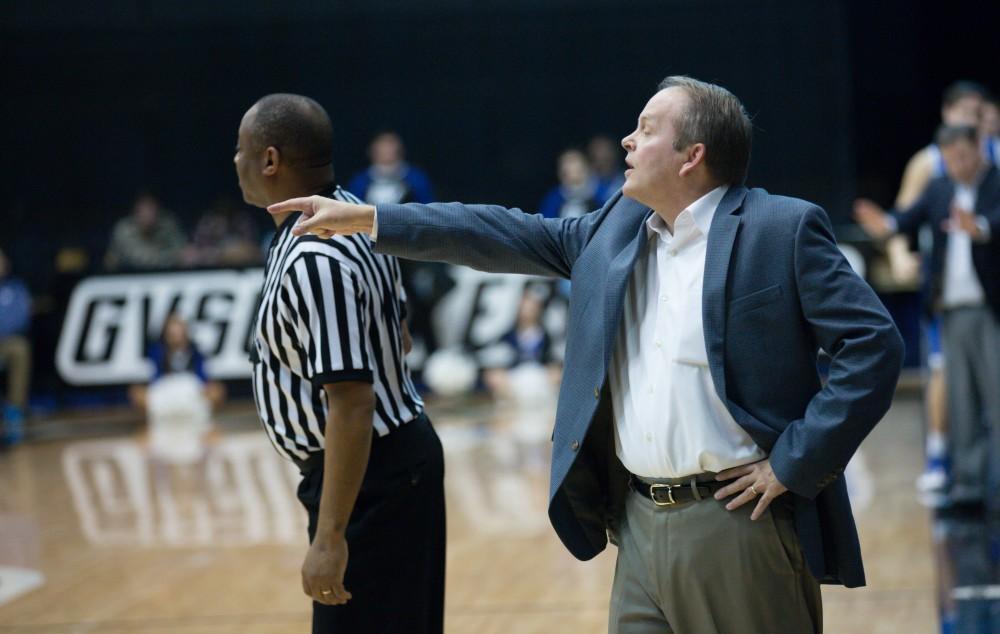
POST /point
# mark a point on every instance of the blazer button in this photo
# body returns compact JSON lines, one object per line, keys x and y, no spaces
{"x":574,"y":445}
{"x":597,"y":393}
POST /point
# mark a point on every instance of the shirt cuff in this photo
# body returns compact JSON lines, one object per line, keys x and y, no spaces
{"x":892,"y":224}
{"x":374,"y":233}
{"x":339,"y":376}
{"x":984,"y":228}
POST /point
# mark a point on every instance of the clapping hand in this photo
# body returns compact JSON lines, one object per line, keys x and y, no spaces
{"x":872,"y":219}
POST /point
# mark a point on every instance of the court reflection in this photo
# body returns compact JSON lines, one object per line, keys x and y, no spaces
{"x":239,"y":492}
{"x":967,"y":549}
{"x":497,"y":473}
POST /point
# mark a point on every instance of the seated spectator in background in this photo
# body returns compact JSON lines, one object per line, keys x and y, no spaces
{"x":148,"y":238}
{"x":576,"y":193}
{"x":15,"y":350}
{"x":390,"y":179}
{"x":175,"y":353}
{"x":226,"y":236}
{"x":178,"y":401}
{"x":606,"y":161}
{"x":530,"y":366}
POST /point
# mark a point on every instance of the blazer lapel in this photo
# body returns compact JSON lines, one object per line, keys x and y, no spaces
{"x":721,"y":237}
{"x":618,"y":274}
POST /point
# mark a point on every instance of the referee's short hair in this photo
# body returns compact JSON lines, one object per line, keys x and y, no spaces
{"x":297,"y":126}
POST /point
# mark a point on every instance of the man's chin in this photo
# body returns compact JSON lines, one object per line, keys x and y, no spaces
{"x":630,"y":192}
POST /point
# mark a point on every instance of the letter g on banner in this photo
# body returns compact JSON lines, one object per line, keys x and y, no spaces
{"x":111,"y":318}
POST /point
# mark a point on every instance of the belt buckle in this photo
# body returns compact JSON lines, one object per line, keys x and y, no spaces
{"x":670,"y":493}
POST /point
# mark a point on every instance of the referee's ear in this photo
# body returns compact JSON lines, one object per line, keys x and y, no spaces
{"x":272,"y":159}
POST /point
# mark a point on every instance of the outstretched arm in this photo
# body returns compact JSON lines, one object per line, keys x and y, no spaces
{"x":485,"y":237}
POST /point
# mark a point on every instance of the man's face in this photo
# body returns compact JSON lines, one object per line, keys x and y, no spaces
{"x":653,"y":163}
{"x":249,"y":161}
{"x":146,"y":212}
{"x":962,"y":160}
{"x":175,"y":333}
{"x":387,"y":150}
{"x":965,"y":111}
{"x":603,"y":154}
{"x":573,"y":170}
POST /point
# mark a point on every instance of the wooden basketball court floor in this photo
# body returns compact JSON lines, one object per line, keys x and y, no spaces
{"x":95,"y":538}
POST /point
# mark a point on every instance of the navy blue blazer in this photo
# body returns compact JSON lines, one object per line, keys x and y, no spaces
{"x":933,"y":207}
{"x":776,"y":290}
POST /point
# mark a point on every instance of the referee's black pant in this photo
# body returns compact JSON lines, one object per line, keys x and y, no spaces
{"x":395,"y":538}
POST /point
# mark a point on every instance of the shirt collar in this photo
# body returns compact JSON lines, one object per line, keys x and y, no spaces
{"x":328,"y":191}
{"x":702,"y":211}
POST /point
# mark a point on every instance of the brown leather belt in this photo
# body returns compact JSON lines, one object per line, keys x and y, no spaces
{"x":671,"y":494}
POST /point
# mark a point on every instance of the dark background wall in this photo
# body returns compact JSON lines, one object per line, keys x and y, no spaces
{"x":112,"y":98}
{"x":104,"y":99}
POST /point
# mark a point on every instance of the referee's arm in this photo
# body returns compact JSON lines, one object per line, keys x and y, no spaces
{"x":328,"y":301}
{"x":348,"y":443}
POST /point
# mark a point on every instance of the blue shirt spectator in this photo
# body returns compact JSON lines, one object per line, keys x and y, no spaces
{"x":15,"y":304}
{"x":390,"y":179}
{"x":576,"y":193}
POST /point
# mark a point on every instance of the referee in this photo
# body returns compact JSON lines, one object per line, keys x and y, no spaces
{"x":334,"y":393}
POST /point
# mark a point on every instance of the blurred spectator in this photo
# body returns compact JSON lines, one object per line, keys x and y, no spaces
{"x":576,"y":193}
{"x":175,"y":353}
{"x":529,"y":353}
{"x":15,"y":350}
{"x":178,"y":401}
{"x":960,"y":105}
{"x":963,"y":211}
{"x":606,"y":160}
{"x":226,"y":236}
{"x":963,"y":103}
{"x":148,"y":238}
{"x":390,"y":179}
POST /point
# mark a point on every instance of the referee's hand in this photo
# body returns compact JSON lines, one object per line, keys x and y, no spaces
{"x":327,"y":217}
{"x":323,"y":572}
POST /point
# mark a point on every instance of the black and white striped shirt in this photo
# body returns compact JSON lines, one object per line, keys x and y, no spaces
{"x":330,"y":311}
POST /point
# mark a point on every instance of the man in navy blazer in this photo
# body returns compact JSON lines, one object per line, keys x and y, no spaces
{"x":962,"y":208}
{"x":697,"y":311}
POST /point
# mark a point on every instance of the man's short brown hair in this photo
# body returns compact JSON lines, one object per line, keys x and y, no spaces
{"x":715,"y":117}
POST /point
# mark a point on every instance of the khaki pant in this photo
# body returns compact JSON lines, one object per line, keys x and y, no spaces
{"x":696,"y":568}
{"x":15,"y":358}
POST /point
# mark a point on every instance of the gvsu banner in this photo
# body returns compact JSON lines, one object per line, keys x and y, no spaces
{"x":111,"y":319}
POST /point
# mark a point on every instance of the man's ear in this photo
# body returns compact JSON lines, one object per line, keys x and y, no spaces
{"x":272,"y":159}
{"x":695,"y":157}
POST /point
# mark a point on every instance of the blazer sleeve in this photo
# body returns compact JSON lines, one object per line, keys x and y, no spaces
{"x":486,"y":237}
{"x":851,"y":325}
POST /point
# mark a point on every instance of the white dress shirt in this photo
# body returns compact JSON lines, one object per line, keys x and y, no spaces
{"x":669,"y":420}
{"x":961,"y":282}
